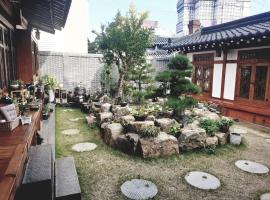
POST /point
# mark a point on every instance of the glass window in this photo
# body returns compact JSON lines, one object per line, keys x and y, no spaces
{"x":260,"y":82}
{"x":245,"y":80}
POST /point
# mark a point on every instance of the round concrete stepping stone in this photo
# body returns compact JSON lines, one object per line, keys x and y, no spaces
{"x":252,"y":167}
{"x":138,"y":189}
{"x":68,"y":110}
{"x":202,"y":180}
{"x":82,"y":147}
{"x":71,"y":132}
{"x":265,"y":196}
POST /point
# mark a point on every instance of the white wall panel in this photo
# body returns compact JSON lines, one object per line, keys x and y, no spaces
{"x":217,"y":80}
{"x":230,"y":77}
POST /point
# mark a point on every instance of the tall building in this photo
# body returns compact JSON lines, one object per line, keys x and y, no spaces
{"x":209,"y":12}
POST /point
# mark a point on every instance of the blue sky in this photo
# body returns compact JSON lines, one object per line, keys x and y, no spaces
{"x":164,"y":11}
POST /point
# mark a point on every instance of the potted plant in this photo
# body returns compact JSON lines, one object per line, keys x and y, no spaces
{"x":50,"y":84}
{"x":46,"y":112}
{"x":140,"y":113}
{"x":224,"y":125}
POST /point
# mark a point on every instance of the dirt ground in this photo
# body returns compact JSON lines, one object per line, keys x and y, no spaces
{"x":102,"y":171}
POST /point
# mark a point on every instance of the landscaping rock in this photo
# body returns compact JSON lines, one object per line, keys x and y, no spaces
{"x":90,"y":119}
{"x":106,"y":107}
{"x":103,"y":126}
{"x":95,"y":107}
{"x":136,"y":126}
{"x":112,"y":131}
{"x":127,"y":143}
{"x":204,"y":113}
{"x":104,"y":117}
{"x":222,"y":138}
{"x":151,"y":118}
{"x":124,"y":120}
{"x":212,"y":141}
{"x":192,"y":138}
{"x":163,"y":145}
{"x":121,"y":111}
{"x":166,"y":123}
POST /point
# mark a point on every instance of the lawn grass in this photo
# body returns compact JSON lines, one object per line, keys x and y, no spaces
{"x":102,"y":171}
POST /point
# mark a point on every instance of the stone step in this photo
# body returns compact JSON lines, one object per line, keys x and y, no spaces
{"x":38,"y":179}
{"x":67,"y":185}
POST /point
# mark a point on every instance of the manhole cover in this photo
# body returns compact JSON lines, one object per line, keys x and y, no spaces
{"x":252,"y":167}
{"x":75,"y":119}
{"x":202,"y":180}
{"x":81,"y":147}
{"x":71,"y":132}
{"x":139,"y":189}
{"x":265,"y":196}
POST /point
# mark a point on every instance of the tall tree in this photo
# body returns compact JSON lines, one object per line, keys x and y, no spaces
{"x":123,"y":43}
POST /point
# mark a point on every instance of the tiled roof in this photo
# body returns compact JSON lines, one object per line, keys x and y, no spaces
{"x":248,"y":28}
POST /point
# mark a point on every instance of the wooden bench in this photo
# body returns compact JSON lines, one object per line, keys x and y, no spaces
{"x":67,"y":185}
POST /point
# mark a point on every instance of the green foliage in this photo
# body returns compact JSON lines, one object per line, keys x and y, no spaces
{"x":123,"y":42}
{"x":149,"y":131}
{"x":180,"y":104}
{"x":178,"y":75}
{"x":141,"y":77}
{"x":211,"y":150}
{"x":175,"y":131}
{"x":140,"y":111}
{"x":49,"y":82}
{"x":224,"y":125}
{"x":92,"y":47}
{"x":209,"y":125}
{"x":107,"y":82}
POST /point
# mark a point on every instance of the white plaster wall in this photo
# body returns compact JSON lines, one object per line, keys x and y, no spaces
{"x":217,"y":80}
{"x":73,"y":38}
{"x":230,"y":76}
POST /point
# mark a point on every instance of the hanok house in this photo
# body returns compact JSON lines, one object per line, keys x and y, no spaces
{"x":231,"y":65}
{"x":19,"y":19}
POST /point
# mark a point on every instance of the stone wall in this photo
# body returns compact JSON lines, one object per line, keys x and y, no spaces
{"x":71,"y":69}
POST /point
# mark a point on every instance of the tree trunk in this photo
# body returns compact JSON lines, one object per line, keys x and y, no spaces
{"x":120,"y":88}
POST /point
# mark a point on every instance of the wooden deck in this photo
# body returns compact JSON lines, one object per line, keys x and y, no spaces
{"x":14,"y":148}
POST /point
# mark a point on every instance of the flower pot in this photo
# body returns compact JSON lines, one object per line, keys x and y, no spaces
{"x":51,"y":96}
{"x":235,"y":139}
{"x":139,"y":118}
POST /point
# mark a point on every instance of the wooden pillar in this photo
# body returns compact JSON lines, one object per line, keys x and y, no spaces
{"x":223,"y":73}
{"x":24,"y":55}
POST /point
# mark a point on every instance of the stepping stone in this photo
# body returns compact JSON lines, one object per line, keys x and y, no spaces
{"x":75,"y":119}
{"x":267,"y":140}
{"x":68,"y":110}
{"x":252,"y":167}
{"x":81,"y":147}
{"x":265,"y":196}
{"x":202,"y":180}
{"x":71,"y":132}
{"x":138,"y":189}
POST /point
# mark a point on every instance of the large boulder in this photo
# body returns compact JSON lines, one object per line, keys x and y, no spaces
{"x":90,"y":120}
{"x":112,"y":132}
{"x":212,"y":141}
{"x":222,"y":138}
{"x":119,"y":111}
{"x":103,"y":127}
{"x":127,"y":143}
{"x":192,"y":138}
{"x":136,"y":126}
{"x":125,"y":120}
{"x":106,"y":107}
{"x":166,"y":123}
{"x":104,"y":117}
{"x":205,"y":113}
{"x":161,"y":146}
{"x":150,"y":118}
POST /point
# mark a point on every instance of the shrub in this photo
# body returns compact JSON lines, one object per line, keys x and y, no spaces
{"x":149,"y":131}
{"x":209,"y":125}
{"x":224,"y":125}
{"x":175,"y":131}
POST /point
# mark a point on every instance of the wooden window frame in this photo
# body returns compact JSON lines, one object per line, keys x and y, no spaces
{"x":253,"y":62}
{"x":203,"y":60}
